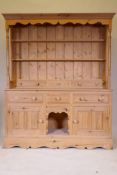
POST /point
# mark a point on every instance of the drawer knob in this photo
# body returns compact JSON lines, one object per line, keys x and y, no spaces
{"x":53,"y":140}
{"x":23,"y":108}
{"x":81,"y":99}
{"x":34,"y":98}
{"x":79,"y":84}
{"x":101,"y":99}
{"x":38,"y":84}
{"x":66,"y":109}
{"x":58,"y":98}
{"x":75,"y":121}
{"x":41,"y":121}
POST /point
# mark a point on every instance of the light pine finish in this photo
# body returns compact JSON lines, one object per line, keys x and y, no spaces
{"x":59,"y":92}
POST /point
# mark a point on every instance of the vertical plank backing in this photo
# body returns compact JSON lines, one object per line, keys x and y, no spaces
{"x":95,"y":70}
{"x":33,"y":74}
{"x":69,"y":45}
{"x":78,"y":66}
{"x":87,"y":70}
{"x":51,"y":51}
{"x":60,"y":51}
{"x":41,"y":52}
{"x":68,"y":51}
{"x":42,"y":71}
{"x":16,"y":50}
{"x":60,"y":70}
{"x":41,"y":34}
{"x":78,"y":70}
{"x":69,"y":70}
{"x":50,"y":70}
{"x":77,"y":34}
{"x":41,"y":48}
{"x":24,"y":53}
{"x":60,"y":33}
{"x":68,"y":33}
{"x":95,"y":46}
{"x":77,"y":51}
{"x":32,"y":43}
{"x":51,"y":47}
{"x":86,"y":51}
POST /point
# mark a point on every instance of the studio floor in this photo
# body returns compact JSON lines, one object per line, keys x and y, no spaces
{"x":44,"y":161}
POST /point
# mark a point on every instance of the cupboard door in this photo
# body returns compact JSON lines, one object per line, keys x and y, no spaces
{"x":24,"y":121}
{"x":92,"y":121}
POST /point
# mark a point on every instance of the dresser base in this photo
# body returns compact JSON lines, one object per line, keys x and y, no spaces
{"x":59,"y":142}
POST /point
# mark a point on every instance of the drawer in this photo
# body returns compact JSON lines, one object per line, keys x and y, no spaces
{"x":31,"y":84}
{"x":58,"y":98}
{"x":25,"y":97}
{"x":88,"y":83}
{"x":90,"y":98}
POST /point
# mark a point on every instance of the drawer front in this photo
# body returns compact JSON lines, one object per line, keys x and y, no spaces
{"x":58,"y":98}
{"x":25,"y":97}
{"x":90,"y":98}
{"x":31,"y":84}
{"x":88,"y":83}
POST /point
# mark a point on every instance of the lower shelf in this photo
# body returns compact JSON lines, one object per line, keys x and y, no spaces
{"x":59,"y":142}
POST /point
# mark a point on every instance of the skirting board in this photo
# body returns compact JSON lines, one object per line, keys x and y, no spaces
{"x":59,"y":142}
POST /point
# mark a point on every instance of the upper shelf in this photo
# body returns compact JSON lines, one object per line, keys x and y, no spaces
{"x":58,"y":60}
{"x":72,"y":41}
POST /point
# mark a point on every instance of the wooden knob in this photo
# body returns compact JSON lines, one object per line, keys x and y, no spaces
{"x":23,"y":107}
{"x":101,"y":99}
{"x":34,"y":98}
{"x":66,"y":109}
{"x":75,"y":121}
{"x":38,"y":84}
{"x":41,"y":121}
{"x":58,"y":98}
{"x":79,"y":84}
{"x":9,"y":112}
{"x":81,"y":99}
{"x":53,"y":140}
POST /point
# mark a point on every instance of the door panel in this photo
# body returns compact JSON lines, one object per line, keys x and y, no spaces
{"x":90,"y":121}
{"x":25,"y":121}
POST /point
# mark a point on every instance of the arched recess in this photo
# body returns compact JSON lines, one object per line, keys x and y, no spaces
{"x":58,"y":123}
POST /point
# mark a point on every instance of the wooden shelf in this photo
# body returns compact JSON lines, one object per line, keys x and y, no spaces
{"x":70,"y":60}
{"x":64,"y":41}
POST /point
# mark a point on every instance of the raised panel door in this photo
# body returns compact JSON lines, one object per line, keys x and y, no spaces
{"x":91,"y":121}
{"x":25,"y":121}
